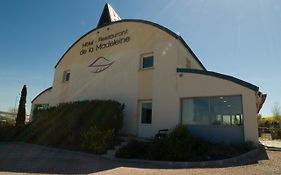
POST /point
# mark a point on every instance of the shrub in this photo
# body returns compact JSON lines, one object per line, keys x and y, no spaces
{"x":271,"y":126}
{"x":180,"y":145}
{"x":7,"y":131}
{"x":63,"y":125}
{"x":134,"y":149}
{"x":97,"y":140}
{"x":275,"y":131}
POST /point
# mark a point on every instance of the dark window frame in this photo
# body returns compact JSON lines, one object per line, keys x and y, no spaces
{"x":210,"y":98}
{"x":147,"y":118}
{"x":147,"y":61}
{"x":66,"y":76}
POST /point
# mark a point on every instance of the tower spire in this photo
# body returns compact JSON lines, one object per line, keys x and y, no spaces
{"x":108,"y":15}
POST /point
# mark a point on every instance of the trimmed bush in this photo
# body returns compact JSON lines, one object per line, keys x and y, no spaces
{"x":180,"y":145}
{"x":97,"y":140}
{"x":67,"y":121}
{"x":7,"y":131}
{"x":63,"y":125}
{"x":134,"y":149}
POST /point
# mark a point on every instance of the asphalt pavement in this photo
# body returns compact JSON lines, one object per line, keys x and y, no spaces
{"x":27,"y":158}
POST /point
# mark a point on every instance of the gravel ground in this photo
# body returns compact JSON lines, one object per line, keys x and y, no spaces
{"x":18,"y":158}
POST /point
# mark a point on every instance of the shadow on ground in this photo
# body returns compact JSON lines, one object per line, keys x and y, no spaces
{"x":28,"y":158}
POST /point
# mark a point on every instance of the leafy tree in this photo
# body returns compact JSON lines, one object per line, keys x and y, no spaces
{"x":20,"y":120}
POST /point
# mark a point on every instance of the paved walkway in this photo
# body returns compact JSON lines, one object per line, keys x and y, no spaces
{"x":271,"y":143}
{"x":27,"y":158}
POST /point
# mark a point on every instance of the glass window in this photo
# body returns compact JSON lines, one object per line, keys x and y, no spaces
{"x":195,"y":111}
{"x":66,"y":76}
{"x":146,"y":112}
{"x":147,"y":62}
{"x":226,"y":110}
{"x":42,"y":106}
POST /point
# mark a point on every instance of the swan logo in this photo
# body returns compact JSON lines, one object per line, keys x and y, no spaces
{"x":100,"y":64}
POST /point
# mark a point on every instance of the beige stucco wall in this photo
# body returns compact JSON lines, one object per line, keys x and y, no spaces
{"x":125,"y":82}
{"x":43,"y":98}
{"x":197,"y":85}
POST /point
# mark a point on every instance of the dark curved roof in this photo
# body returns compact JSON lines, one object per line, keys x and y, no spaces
{"x":145,"y":22}
{"x":222,"y":76}
{"x":41,"y":94}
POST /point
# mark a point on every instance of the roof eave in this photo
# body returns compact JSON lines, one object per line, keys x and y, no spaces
{"x":219,"y":75}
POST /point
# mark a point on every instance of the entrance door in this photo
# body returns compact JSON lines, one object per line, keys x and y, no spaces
{"x":145,"y":119}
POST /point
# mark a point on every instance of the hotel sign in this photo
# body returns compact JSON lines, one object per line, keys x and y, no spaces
{"x":105,"y":42}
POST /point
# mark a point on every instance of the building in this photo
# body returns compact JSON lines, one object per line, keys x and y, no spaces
{"x":160,"y":80}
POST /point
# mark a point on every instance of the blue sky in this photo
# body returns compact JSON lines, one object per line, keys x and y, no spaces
{"x":239,"y":38}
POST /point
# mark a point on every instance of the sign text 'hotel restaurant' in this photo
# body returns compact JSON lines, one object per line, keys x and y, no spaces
{"x":105,"y":42}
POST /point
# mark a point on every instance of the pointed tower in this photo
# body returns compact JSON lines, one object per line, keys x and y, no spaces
{"x":108,"y":15}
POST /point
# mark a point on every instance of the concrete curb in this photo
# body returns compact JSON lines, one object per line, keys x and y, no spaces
{"x":244,"y":159}
{"x":274,"y":146}
{"x":271,"y":148}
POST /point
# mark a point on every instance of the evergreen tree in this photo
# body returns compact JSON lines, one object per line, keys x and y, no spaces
{"x":20,"y":121}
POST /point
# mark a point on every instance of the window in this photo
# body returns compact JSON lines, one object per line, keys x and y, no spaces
{"x":225,"y":110}
{"x":147,"y":61}
{"x":66,"y":76}
{"x":146,"y":112}
{"x":195,"y":111}
{"x":42,"y":106}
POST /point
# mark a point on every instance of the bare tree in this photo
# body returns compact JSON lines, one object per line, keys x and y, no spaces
{"x":276,"y":109}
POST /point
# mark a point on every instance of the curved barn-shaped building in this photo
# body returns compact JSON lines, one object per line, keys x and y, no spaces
{"x":158,"y":77}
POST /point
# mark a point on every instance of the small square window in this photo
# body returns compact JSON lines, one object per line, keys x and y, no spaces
{"x":147,"y":62}
{"x":146,"y":112}
{"x":42,"y":106}
{"x":66,"y":76}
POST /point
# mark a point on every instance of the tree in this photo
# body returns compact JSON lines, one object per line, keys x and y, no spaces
{"x":20,"y":120}
{"x":276,"y":109}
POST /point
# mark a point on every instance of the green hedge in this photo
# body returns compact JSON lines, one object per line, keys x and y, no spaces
{"x":67,"y":124}
{"x":98,"y":140}
{"x":7,"y":131}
